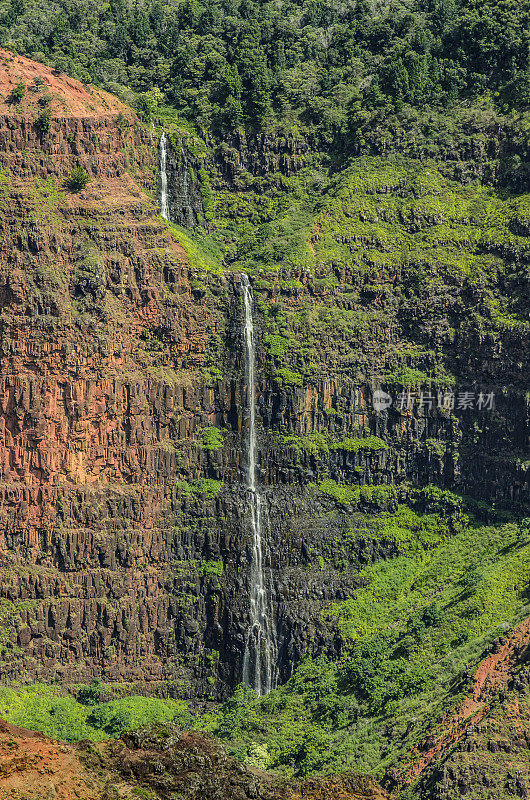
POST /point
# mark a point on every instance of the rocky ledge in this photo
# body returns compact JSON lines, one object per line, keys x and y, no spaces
{"x":160,"y":762}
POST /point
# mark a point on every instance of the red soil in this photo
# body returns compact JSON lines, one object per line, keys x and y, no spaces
{"x":70,"y":97}
{"x":491,"y":676}
{"x":33,"y":767}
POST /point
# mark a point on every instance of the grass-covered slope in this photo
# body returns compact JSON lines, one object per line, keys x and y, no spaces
{"x":413,"y":634}
{"x":396,"y":254}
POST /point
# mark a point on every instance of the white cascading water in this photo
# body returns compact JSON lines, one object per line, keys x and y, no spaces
{"x":259,"y":661}
{"x":164,"y":200}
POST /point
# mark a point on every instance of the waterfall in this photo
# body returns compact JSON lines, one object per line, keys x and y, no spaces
{"x":259,"y":661}
{"x":164,"y":201}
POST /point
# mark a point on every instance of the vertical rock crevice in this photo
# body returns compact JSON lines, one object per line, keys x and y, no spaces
{"x":179,"y":191}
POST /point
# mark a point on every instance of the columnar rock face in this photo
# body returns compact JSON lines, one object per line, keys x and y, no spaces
{"x":116,"y":560}
{"x":125,"y":544}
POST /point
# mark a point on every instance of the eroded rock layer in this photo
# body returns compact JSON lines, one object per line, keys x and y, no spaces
{"x":125,"y":544}
{"x":157,"y":763}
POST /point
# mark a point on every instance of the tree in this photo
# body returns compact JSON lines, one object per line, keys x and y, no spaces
{"x":472,"y":580}
{"x":148,"y":102}
{"x":91,"y":695}
{"x":78,"y":179}
{"x":43,"y":121}
{"x":18,"y":92}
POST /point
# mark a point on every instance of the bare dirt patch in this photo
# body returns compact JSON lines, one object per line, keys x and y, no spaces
{"x":68,"y":97}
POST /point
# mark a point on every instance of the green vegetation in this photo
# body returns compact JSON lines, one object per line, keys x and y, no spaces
{"x":415,"y":629}
{"x":43,"y":121}
{"x":287,"y":377}
{"x":204,"y":254}
{"x":19,"y":92}
{"x":391,"y":238}
{"x":78,"y":180}
{"x":211,"y":568}
{"x":377,"y":496}
{"x":322,"y":443}
{"x":212,"y":438}
{"x":313,"y":443}
{"x":58,"y":714}
{"x":202,"y":486}
{"x":297,"y":65}
{"x":369,"y":443}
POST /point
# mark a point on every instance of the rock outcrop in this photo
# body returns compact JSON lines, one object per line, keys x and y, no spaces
{"x":155,"y":763}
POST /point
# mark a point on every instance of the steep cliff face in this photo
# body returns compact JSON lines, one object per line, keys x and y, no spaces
{"x":126,"y":547}
{"x":102,"y":340}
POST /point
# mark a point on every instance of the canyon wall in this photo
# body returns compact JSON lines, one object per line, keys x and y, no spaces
{"x":125,"y":544}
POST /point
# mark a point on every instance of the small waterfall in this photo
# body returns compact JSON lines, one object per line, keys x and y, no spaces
{"x":164,"y":200}
{"x":259,"y":661}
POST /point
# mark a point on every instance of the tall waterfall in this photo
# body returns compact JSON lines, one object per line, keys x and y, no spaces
{"x":164,"y":200}
{"x":259,"y":661}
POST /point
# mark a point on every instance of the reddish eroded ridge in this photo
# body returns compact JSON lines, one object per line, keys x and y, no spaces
{"x":492,"y":676}
{"x":158,"y":764}
{"x":68,"y":94}
{"x":103,"y":342}
{"x":59,"y":123}
{"x":33,"y":767}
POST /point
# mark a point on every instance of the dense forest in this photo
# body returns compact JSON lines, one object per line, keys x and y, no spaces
{"x":323,"y":68}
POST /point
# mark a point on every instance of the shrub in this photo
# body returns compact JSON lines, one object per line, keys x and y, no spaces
{"x":211,"y":568}
{"x":472,"y":580}
{"x":208,"y":486}
{"x":289,"y":378}
{"x":212,"y":438}
{"x":78,"y":179}
{"x":312,"y":443}
{"x":373,"y":443}
{"x":122,"y":122}
{"x":129,"y":713}
{"x":148,"y":102}
{"x":43,"y":121}
{"x":276,"y":344}
{"x":377,"y":677}
{"x":90,"y":695}
{"x":18,"y":92}
{"x":343,"y":494}
{"x":432,"y":616}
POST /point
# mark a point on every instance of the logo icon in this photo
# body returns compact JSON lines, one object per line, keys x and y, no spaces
{"x":381,"y":400}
